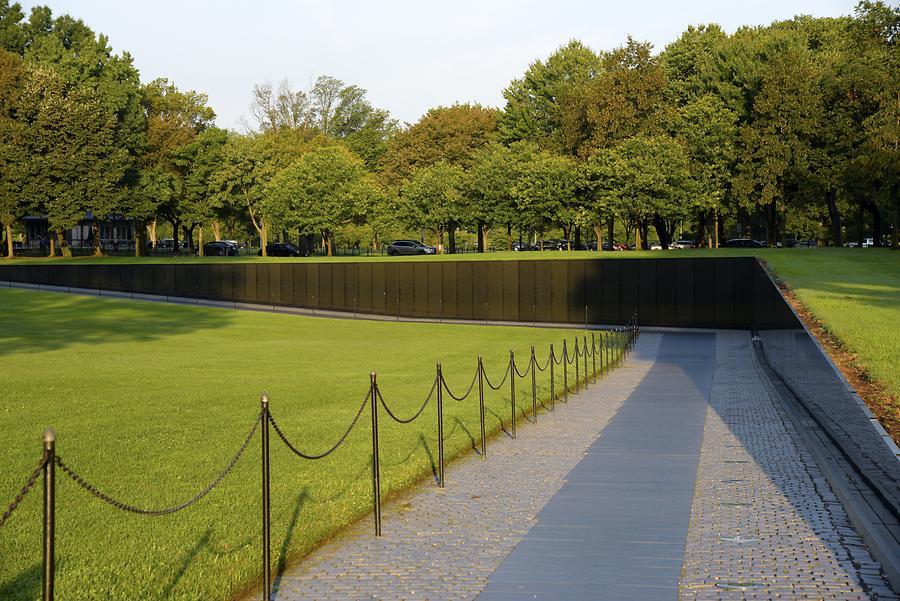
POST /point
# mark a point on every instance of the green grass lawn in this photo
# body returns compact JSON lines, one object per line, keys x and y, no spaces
{"x":856,"y":293}
{"x":149,"y":401}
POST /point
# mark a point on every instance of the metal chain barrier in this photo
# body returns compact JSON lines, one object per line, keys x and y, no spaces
{"x":500,"y":385}
{"x":94,"y":491}
{"x":333,"y":448}
{"x":417,"y":413}
{"x":29,"y":484}
{"x":546,"y":365}
{"x":526,"y":372}
{"x":467,"y":393}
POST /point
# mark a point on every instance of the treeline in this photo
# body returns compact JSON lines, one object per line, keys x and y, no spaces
{"x":794,"y":127}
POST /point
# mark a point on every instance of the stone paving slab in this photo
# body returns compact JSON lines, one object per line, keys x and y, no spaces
{"x":763,"y":515}
{"x":443,"y":544}
{"x":641,"y":469}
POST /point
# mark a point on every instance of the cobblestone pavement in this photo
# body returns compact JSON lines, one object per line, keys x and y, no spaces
{"x":443,"y":544}
{"x":764,"y":522}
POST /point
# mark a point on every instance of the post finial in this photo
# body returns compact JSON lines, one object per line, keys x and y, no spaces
{"x":49,"y":435}
{"x":264,"y":398}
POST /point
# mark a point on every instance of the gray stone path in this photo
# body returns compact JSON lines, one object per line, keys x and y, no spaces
{"x":616,"y":530}
{"x":765,"y":523}
{"x":443,"y":544}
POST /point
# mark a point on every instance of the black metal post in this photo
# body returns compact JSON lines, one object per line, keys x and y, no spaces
{"x":565,"y":363}
{"x":266,"y":530}
{"x":376,"y":468}
{"x":481,"y":405}
{"x":594,"y":355}
{"x":606,"y":349}
{"x":577,"y":377}
{"x":440,"y":425}
{"x":584,"y":346}
{"x":512,"y":390}
{"x":552,"y":363}
{"x":533,"y":386}
{"x":49,"y":514}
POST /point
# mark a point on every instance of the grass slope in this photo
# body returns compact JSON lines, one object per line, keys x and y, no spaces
{"x":856,"y":293}
{"x":150,"y":401}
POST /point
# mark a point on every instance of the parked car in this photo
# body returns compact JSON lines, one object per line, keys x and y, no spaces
{"x":806,"y":244}
{"x":220,"y":248}
{"x":656,"y":246}
{"x":282,"y":249}
{"x":409,"y":247}
{"x":683,"y":244}
{"x":523,"y":246}
{"x":555,"y":244}
{"x":744,"y":243}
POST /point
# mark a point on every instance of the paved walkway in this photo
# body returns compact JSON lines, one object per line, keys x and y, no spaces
{"x":617,"y":529}
{"x":677,"y":477}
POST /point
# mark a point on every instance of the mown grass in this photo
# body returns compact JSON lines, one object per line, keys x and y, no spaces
{"x":150,"y":401}
{"x":856,"y":293}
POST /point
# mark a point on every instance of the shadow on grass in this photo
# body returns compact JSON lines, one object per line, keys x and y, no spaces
{"x":32,"y":321}
{"x":27,"y":585}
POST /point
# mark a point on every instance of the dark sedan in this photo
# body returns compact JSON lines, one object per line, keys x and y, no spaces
{"x":221,"y":248}
{"x":282,"y":249}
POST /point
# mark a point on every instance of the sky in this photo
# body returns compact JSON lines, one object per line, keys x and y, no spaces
{"x":410,"y":55}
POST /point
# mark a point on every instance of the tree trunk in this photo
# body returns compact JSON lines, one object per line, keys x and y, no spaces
{"x":176,"y":224}
{"x":834,"y":216}
{"x":509,"y":236}
{"x":771,"y":223}
{"x":329,"y":242}
{"x":876,"y":223}
{"x":610,"y":232}
{"x":151,"y":231}
{"x":638,"y":244}
{"x":189,"y":235}
{"x":480,"y":243}
{"x":702,"y":221}
{"x":96,"y":248}
{"x":51,"y":239}
{"x":263,"y":231}
{"x":718,"y":226}
{"x":577,"y":237}
{"x":485,"y":233}
{"x":140,"y":239}
{"x":9,"y":239}
{"x":217,"y":230}
{"x":64,"y":245}
{"x":598,"y":231}
{"x":451,"y":238}
{"x":200,"y":237}
{"x":566,"y":233}
{"x":862,"y":225}
{"x":659,"y":224}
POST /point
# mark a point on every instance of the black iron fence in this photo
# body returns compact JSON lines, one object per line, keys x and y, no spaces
{"x":707,"y":292}
{"x":606,"y":349}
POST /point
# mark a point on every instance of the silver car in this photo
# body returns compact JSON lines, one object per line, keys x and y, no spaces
{"x":409,"y":247}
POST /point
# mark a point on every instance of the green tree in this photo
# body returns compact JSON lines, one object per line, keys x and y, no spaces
{"x":196,"y":163}
{"x":546,"y":192}
{"x":13,"y":154}
{"x":324,"y":189}
{"x":775,"y":138}
{"x":451,"y":134}
{"x":491,"y":188}
{"x":536,"y":103}
{"x":174,"y":118}
{"x":75,"y":163}
{"x":647,"y":181}
{"x":434,"y":198}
